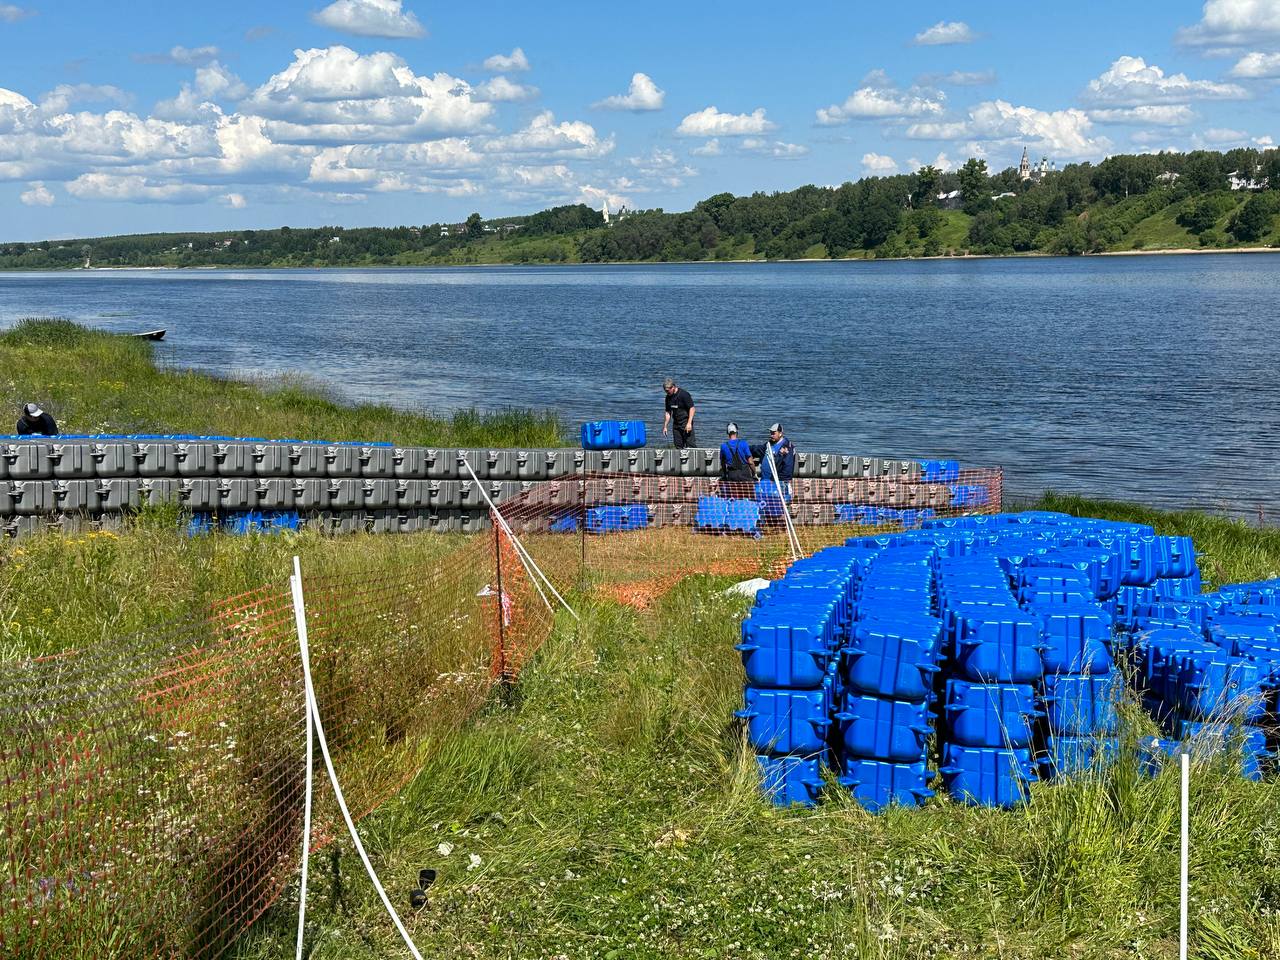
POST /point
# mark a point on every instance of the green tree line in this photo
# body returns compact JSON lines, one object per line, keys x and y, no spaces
{"x":1126,"y":202}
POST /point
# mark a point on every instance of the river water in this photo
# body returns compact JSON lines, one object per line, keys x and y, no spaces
{"x":1151,"y":378}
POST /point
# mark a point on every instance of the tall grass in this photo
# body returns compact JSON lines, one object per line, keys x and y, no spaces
{"x":614,"y":811}
{"x":95,"y":382}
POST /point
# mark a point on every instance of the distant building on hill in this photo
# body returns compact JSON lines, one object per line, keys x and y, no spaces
{"x":1035,"y":174}
{"x":611,"y":219}
{"x":949,"y":199}
{"x":1239,"y":180}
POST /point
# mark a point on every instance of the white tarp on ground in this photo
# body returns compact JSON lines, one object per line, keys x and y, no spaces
{"x":747,"y":588}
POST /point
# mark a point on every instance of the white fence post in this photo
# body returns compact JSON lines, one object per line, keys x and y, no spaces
{"x":300,"y":617}
{"x":1186,"y":844}
{"x":314,"y":707}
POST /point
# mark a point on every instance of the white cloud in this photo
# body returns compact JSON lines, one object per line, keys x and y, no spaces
{"x":370,"y":18}
{"x":1164,"y":115}
{"x":432,"y":167}
{"x":212,"y":83}
{"x":215,"y":80}
{"x":946,"y":32}
{"x":878,"y":164}
{"x":878,"y":98}
{"x":1130,"y":81}
{"x":1064,"y":133}
{"x":709,"y":149}
{"x":507,"y":63}
{"x":502,"y":90}
{"x":1257,"y":66}
{"x":712,"y":123}
{"x":12,"y":14}
{"x":777,"y":149}
{"x":138,"y":189}
{"x":182,"y":56}
{"x":643,"y":94}
{"x":663,"y":166}
{"x":61,"y":97}
{"x":940,"y":162}
{"x":1234,"y":23}
{"x":545,"y":136}
{"x":1224,"y":135}
{"x":1149,"y":137}
{"x":968,"y":78}
{"x":37,"y":196}
{"x":1225,"y":138}
{"x":38,"y":146}
{"x":334,"y":95}
{"x":331,"y":126}
{"x":594,"y":196}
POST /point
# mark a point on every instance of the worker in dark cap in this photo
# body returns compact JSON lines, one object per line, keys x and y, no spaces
{"x":737,"y":468}
{"x":784,"y":457}
{"x":679,"y":414}
{"x":784,"y":460}
{"x":35,"y":422}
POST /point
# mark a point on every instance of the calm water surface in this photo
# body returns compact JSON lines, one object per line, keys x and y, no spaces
{"x":1150,"y":378}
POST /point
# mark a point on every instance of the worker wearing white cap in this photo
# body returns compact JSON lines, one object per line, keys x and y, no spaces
{"x":784,"y":456}
{"x":35,"y":422}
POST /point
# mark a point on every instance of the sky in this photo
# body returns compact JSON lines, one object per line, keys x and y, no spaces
{"x":155,"y":116}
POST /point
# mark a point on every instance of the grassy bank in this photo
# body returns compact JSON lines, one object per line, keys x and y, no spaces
{"x":57,"y":592}
{"x":614,"y":813}
{"x":610,"y":809}
{"x":95,"y":382}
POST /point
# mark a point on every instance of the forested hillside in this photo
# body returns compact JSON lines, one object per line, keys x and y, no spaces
{"x":1127,"y":202}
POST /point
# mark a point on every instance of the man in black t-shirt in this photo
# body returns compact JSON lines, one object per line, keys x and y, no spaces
{"x":679,"y":415}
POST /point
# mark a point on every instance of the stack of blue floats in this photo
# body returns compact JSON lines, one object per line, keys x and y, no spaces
{"x":986,"y":647}
{"x":613,"y":435}
{"x":790,"y":649}
{"x":1207,"y":665}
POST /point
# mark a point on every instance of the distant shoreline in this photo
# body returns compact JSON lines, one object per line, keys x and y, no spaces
{"x":1177,"y":251}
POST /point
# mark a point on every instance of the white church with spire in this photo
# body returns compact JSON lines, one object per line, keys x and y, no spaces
{"x":1027,"y":172}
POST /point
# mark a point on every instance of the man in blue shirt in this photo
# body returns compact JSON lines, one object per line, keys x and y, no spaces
{"x":784,"y":456}
{"x":737,"y":468}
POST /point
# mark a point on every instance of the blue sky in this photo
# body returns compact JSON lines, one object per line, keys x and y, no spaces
{"x":123,"y":118}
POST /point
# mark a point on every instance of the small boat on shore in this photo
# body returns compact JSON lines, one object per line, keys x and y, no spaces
{"x":150,"y":335}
